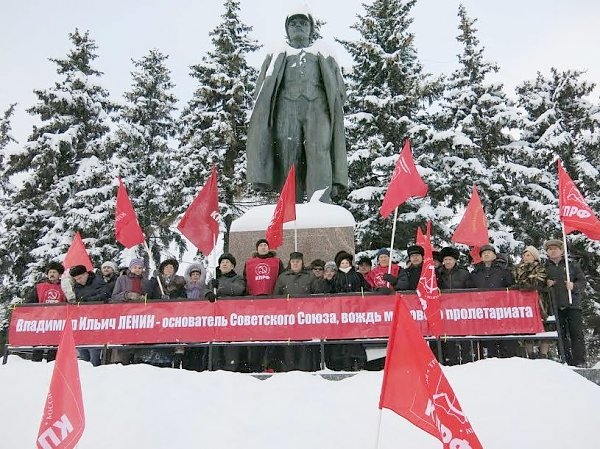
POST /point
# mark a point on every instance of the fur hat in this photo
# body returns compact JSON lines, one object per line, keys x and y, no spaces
{"x":166,"y":262}
{"x":135,"y":262}
{"x":553,"y":242}
{"x":55,"y":266}
{"x":317,"y":263}
{"x":229,"y":257}
{"x":259,"y":241}
{"x":449,"y":251}
{"x":487,"y":247}
{"x":331,"y":265}
{"x":108,"y":263}
{"x":77,"y":270}
{"x":296,"y":256}
{"x":437,"y":256}
{"x":343,"y":255}
{"x":364,"y":260}
{"x":533,"y":251}
{"x":415,"y":249}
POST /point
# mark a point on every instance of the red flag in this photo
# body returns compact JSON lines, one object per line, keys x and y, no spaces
{"x":77,"y":254}
{"x":63,"y":420}
{"x":200,"y":221}
{"x":473,"y":228}
{"x":127,"y":228}
{"x":573,"y":210}
{"x":414,"y":386}
{"x":284,"y":211}
{"x":420,"y":240}
{"x":427,"y":288}
{"x":405,"y":183}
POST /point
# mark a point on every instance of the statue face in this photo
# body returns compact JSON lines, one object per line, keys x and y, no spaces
{"x":298,"y":30}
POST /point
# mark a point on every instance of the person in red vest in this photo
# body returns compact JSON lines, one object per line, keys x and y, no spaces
{"x":261,"y":272}
{"x":375,"y":276}
{"x":48,"y":291}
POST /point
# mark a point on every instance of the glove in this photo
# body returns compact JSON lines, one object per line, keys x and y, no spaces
{"x":214,"y":283}
{"x":388,"y":277}
{"x":165,"y":297}
{"x":211,"y":296}
{"x":132,"y":295}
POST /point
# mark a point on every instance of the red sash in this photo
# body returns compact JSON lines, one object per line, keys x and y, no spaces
{"x":375,"y":276}
{"x":48,"y":293}
{"x":261,"y":275}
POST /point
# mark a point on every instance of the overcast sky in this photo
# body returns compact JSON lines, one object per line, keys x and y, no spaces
{"x":522,"y":36}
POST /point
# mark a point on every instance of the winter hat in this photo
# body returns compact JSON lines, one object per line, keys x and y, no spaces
{"x":449,"y":251}
{"x":331,"y":266}
{"x":437,"y":256}
{"x":343,"y":255}
{"x":229,"y":257}
{"x":77,"y":270}
{"x":55,"y":266}
{"x":383,"y":252}
{"x":317,"y":263}
{"x":487,"y":247}
{"x":553,"y":242}
{"x":135,"y":262}
{"x":296,"y":256}
{"x":364,"y":260}
{"x":533,"y":251}
{"x":195,"y":268}
{"x":110,"y":264}
{"x":415,"y":249}
{"x":166,"y":262}
{"x":259,"y":241}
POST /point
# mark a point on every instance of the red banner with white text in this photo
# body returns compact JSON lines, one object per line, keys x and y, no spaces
{"x":469,"y":312}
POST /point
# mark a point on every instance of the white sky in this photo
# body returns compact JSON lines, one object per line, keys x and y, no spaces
{"x":522,"y":36}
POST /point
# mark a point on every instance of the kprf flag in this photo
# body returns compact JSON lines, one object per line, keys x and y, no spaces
{"x":427,"y":288}
{"x":405,"y":183}
{"x":414,"y":386}
{"x":420,"y":239}
{"x":77,"y":254}
{"x":473,"y":228}
{"x":200,"y":222}
{"x":284,"y":211}
{"x":127,"y":228}
{"x":63,"y":420}
{"x":573,"y":210}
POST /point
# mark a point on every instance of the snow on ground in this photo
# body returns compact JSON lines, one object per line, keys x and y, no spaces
{"x":512,"y":403}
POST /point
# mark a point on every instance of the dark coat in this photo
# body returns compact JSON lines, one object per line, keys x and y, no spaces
{"x":231,"y":284}
{"x":174,"y":286}
{"x":408,"y":279}
{"x":93,"y":290}
{"x":456,"y":278}
{"x":109,"y":283}
{"x":557,"y":272}
{"x":349,"y":282}
{"x":123,"y":286}
{"x":295,"y":284}
{"x":494,"y":276}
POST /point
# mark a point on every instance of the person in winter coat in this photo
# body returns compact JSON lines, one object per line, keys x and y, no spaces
{"x":173,"y":285}
{"x":569,"y":313}
{"x":133,"y":285}
{"x":490,"y":273}
{"x":195,"y":282}
{"x":408,"y":279}
{"x":88,"y":288}
{"x":109,"y":275}
{"x":375,"y":276}
{"x":347,"y":279}
{"x":450,"y":275}
{"x":530,"y":274}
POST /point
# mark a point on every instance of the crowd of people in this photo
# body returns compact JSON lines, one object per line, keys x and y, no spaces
{"x":560,"y":296}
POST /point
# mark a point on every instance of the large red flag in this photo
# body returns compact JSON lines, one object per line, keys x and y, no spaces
{"x":405,"y":183}
{"x":473,"y":228}
{"x":77,"y":254}
{"x":127,"y":228}
{"x":200,"y":221}
{"x":427,"y":288}
{"x":414,"y":386}
{"x":573,"y":210}
{"x":63,"y":420}
{"x":284,"y":211}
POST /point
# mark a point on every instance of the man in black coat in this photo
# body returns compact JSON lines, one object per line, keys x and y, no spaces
{"x":408,"y":279}
{"x":490,"y":273}
{"x":450,"y":275}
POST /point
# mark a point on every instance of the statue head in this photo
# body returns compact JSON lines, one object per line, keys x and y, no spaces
{"x":299,"y":28}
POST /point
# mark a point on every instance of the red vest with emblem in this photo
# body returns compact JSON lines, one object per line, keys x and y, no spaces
{"x":261,"y":275}
{"x":49,"y":293}
{"x":375,"y":276}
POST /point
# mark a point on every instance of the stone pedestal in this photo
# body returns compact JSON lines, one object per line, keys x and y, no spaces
{"x":322,"y":231}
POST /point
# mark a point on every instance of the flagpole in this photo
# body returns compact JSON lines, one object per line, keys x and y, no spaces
{"x":214,"y":257}
{"x":393,"y":237}
{"x":296,"y":235}
{"x":378,"y":429}
{"x":566,"y":254}
{"x":162,"y":290}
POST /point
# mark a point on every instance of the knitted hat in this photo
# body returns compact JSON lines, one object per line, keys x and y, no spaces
{"x":229,"y":257}
{"x":383,"y":252}
{"x":166,"y":262}
{"x":259,"y":241}
{"x":296,"y":256}
{"x":449,"y":251}
{"x":331,"y":265}
{"x":553,"y":242}
{"x":55,"y":266}
{"x":487,"y":247}
{"x":533,"y":251}
{"x":415,"y":249}
{"x":343,"y":255}
{"x":77,"y":270}
{"x":110,"y":264}
{"x":135,"y":262}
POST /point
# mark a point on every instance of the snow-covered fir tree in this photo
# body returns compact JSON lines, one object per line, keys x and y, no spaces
{"x":214,"y":122}
{"x":66,"y":176}
{"x":5,"y":139}
{"x":144,"y":149}
{"x":386,"y":93}
{"x":471,"y":124}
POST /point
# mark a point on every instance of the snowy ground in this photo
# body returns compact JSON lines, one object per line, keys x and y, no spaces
{"x":512,"y":404}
